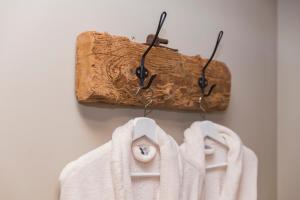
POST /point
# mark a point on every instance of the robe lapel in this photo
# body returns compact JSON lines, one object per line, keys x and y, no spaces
{"x":234,"y":169}
{"x":170,"y":167}
{"x":120,"y":166}
{"x":194,"y":164}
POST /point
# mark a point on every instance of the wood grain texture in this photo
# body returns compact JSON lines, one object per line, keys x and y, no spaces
{"x":105,"y":72}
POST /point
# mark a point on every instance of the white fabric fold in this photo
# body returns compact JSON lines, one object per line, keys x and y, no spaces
{"x":193,"y":165}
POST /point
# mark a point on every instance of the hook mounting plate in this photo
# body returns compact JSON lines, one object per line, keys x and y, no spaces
{"x":158,"y":42}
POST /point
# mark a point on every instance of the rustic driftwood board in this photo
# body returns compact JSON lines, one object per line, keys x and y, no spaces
{"x":105,"y":73}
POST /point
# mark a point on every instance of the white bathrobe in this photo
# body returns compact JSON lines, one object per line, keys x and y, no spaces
{"x":237,"y":181}
{"x":104,"y":173}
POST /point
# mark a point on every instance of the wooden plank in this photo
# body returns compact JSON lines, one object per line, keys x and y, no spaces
{"x":105,"y":73}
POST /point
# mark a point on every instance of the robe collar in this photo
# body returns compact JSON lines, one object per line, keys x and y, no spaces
{"x":194,"y":152}
{"x":170,"y":173}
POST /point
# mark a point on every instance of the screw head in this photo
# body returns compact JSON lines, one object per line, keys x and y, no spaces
{"x":138,"y":72}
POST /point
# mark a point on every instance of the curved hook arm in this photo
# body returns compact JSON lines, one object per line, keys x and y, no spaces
{"x":160,"y":24}
{"x":141,"y":71}
{"x":203,"y":83}
{"x":214,"y":52}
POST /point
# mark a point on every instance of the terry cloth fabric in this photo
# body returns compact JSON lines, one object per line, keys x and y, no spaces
{"x":104,"y":173}
{"x":237,"y":181}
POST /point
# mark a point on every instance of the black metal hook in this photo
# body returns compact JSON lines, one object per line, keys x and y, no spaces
{"x":141,"y":71}
{"x":202,"y":81}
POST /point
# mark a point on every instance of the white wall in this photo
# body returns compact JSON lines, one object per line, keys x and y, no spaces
{"x":288,"y":99}
{"x":43,"y":127}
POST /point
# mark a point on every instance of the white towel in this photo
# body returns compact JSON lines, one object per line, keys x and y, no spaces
{"x":104,"y":173}
{"x":237,"y":181}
